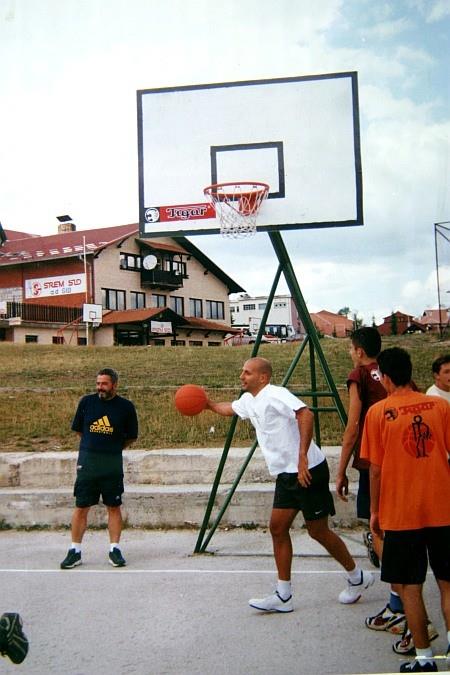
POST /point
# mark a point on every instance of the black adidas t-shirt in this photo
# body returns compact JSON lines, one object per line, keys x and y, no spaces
{"x":105,"y":425}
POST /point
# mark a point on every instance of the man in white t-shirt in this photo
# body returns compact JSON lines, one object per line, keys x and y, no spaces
{"x":284,"y":429}
{"x":441,"y":374}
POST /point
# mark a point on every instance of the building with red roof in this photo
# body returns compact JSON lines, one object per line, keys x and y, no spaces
{"x":161,"y":291}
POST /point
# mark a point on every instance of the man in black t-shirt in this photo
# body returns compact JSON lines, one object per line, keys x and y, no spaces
{"x":106,"y":424}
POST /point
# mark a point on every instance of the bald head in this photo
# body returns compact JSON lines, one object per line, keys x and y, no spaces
{"x":256,"y":374}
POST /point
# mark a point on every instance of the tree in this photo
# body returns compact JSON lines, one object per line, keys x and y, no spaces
{"x":394,"y":324}
{"x":344,"y":311}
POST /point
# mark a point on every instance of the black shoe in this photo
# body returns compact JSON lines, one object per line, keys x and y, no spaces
{"x":415,"y":667}
{"x":368,"y":540}
{"x":72,"y":559}
{"x":13,"y":642}
{"x":116,"y":558}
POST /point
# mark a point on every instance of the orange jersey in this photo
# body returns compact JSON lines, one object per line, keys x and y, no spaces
{"x":408,"y":436}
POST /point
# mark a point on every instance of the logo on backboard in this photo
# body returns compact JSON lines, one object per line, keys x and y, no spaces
{"x":166,"y":214}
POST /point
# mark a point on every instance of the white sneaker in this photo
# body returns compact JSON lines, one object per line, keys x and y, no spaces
{"x":353,"y":592}
{"x":272,"y":603}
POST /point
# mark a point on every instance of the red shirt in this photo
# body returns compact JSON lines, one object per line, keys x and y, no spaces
{"x":370,"y":390}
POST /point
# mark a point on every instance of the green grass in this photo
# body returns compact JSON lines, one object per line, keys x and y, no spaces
{"x":40,"y":387}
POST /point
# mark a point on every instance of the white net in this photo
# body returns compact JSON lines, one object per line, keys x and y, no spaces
{"x":237,"y":206}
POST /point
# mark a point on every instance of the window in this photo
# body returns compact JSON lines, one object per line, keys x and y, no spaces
{"x":158,"y":342}
{"x":58,"y":340}
{"x":113,"y":299}
{"x":137,"y":300}
{"x":214,"y":309}
{"x":195,"y":343}
{"x":31,"y":338}
{"x":280,"y":304}
{"x":177,"y":304}
{"x":214,"y":344}
{"x":81,"y":342}
{"x":178,"y":343}
{"x":262,"y":305}
{"x":128,"y":261}
{"x":158,"y":300}
{"x":195,"y":307}
{"x":247,"y":307}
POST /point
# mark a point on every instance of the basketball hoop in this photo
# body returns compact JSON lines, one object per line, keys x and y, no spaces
{"x":237,"y":206}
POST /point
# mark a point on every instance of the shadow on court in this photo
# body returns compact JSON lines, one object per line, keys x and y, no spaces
{"x":172,"y":612}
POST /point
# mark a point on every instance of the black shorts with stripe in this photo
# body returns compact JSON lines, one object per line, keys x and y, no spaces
{"x":315,"y":501}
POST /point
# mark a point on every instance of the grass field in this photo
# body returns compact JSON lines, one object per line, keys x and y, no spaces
{"x":40,"y":387}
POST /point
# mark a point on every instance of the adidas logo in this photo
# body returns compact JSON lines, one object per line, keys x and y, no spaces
{"x":101,"y":426}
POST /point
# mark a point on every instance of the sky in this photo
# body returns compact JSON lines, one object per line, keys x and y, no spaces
{"x":69,"y":72}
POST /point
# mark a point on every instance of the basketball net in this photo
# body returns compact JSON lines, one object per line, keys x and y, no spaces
{"x":237,"y":206}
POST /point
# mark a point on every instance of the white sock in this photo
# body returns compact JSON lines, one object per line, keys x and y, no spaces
{"x":76,"y":546}
{"x":284,"y":589}
{"x":112,"y":546}
{"x":424,"y":655}
{"x":354,"y":575}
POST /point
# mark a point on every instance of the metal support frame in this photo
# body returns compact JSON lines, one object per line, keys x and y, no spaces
{"x":315,"y":351}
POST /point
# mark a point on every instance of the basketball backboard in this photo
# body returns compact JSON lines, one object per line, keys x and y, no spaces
{"x":298,"y":134}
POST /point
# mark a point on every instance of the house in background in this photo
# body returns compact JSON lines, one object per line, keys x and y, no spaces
{"x":160,"y":291}
{"x":399,"y":323}
{"x":435,"y":320}
{"x":333,"y":325}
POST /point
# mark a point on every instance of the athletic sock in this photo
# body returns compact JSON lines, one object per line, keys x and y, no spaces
{"x":284,"y":589}
{"x":113,"y":546}
{"x":424,"y":655}
{"x":395,"y":603}
{"x":76,"y":546}
{"x":354,"y":576}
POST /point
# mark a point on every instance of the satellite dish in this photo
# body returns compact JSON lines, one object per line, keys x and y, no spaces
{"x":150,"y":262}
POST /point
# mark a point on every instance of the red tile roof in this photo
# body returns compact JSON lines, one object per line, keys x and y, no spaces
{"x":62,"y":245}
{"x":140,"y":315}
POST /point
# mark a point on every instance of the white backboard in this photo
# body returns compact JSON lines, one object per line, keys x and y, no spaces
{"x":92,"y":313}
{"x":299,"y":134}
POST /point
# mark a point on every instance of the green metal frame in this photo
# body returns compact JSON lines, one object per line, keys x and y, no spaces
{"x":315,"y":350}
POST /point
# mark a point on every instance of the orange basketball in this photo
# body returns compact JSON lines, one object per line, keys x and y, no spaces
{"x":190,"y":399}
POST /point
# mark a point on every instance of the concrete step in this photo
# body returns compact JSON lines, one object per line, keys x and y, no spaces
{"x":157,"y":506}
{"x":183,"y":466}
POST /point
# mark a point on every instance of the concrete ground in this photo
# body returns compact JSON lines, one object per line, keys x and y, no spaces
{"x":170,"y":612}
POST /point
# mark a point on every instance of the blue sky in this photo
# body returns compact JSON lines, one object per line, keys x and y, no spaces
{"x":69,"y":71}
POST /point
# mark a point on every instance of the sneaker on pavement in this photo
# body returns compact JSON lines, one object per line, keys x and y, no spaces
{"x":272,"y":603}
{"x":368,"y":540}
{"x":116,"y":558}
{"x":353,"y":592}
{"x":406,"y":646}
{"x":416,"y":667}
{"x":393,"y":622}
{"x":13,"y":642}
{"x":72,"y":559}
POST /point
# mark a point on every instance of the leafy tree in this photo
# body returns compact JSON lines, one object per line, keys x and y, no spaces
{"x":394,"y":324}
{"x":344,"y":311}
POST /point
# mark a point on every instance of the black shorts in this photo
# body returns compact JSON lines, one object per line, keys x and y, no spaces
{"x":87,"y":490}
{"x":363,"y":496}
{"x":406,"y":554}
{"x":315,"y":501}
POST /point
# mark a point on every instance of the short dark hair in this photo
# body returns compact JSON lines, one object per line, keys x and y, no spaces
{"x":110,"y":373}
{"x":437,"y":363}
{"x":367,"y":338}
{"x":396,"y":363}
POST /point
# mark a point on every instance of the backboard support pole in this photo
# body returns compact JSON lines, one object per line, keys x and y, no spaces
{"x":315,"y":351}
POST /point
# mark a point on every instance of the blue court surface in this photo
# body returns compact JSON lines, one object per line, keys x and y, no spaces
{"x":170,"y":612}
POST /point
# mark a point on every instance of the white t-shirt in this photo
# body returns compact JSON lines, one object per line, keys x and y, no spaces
{"x":435,"y":391}
{"x":272,"y":413}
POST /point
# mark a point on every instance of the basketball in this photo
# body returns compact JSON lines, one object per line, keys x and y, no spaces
{"x":190,"y":399}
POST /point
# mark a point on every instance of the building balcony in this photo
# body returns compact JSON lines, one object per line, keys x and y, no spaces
{"x":161,"y":279}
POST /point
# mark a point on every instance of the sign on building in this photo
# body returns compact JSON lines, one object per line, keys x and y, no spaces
{"x":55,"y":286}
